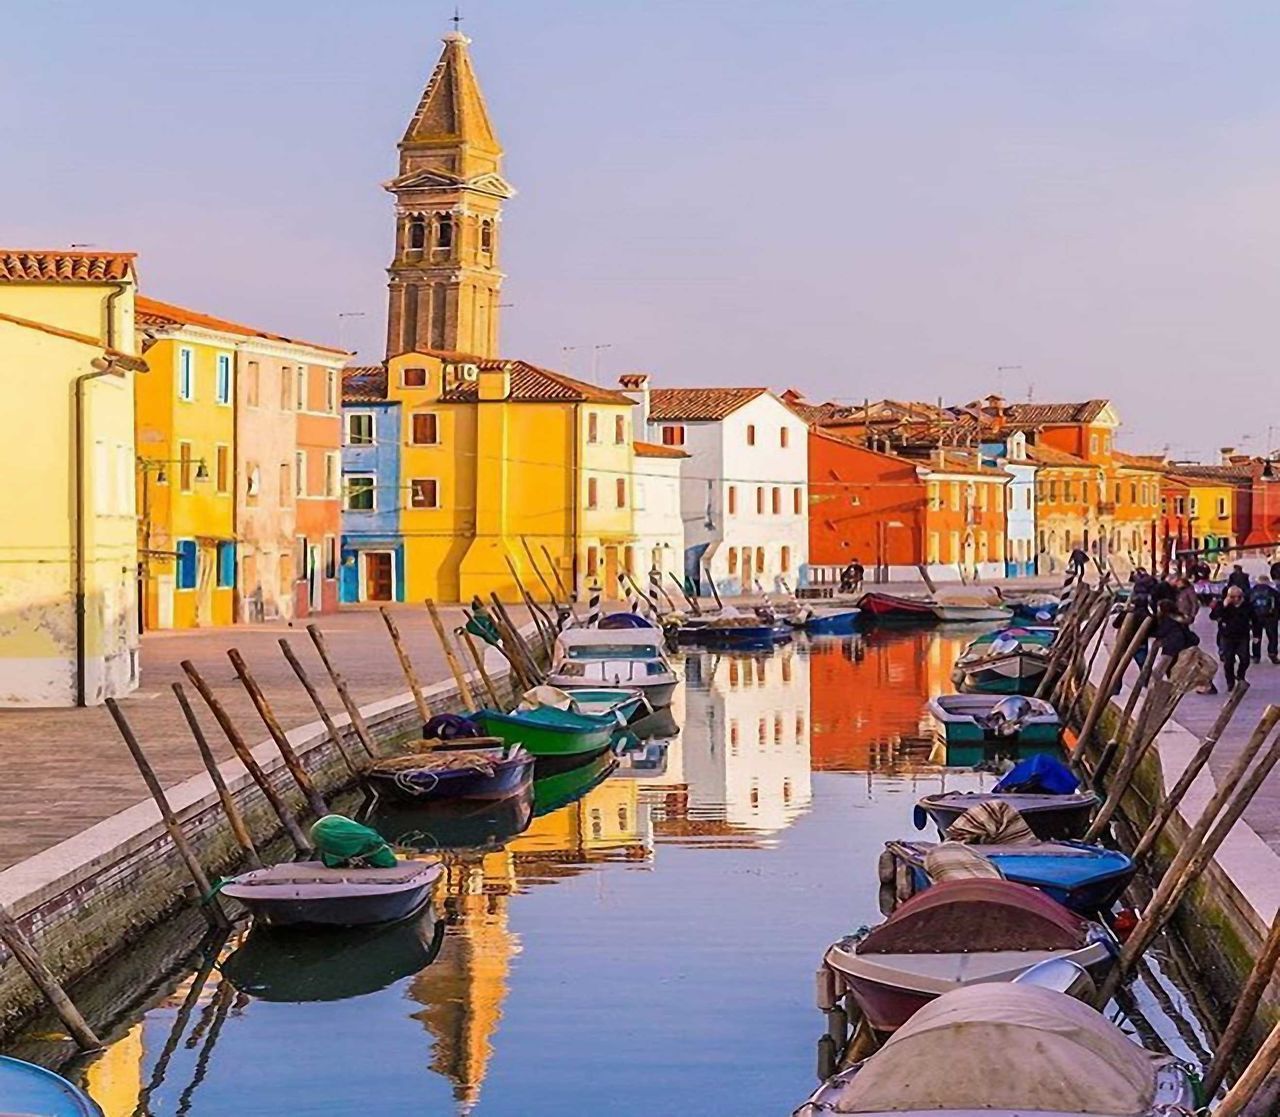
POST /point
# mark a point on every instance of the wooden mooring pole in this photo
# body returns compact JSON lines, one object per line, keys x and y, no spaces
{"x":245,"y":754}
{"x":25,"y":954}
{"x":229,"y":808}
{"x":340,"y":685}
{"x":313,"y":798}
{"x":406,"y":665}
{"x":213,"y":910}
{"x":1253,"y":1081}
{"x":1264,"y":967}
{"x":335,"y":734}
{"x":1133,"y":635}
{"x":477,"y":657}
{"x":451,"y":657}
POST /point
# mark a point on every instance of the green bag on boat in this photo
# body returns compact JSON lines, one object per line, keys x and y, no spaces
{"x":343,"y":843}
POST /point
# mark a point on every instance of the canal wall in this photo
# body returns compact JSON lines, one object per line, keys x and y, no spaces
{"x":83,"y":901}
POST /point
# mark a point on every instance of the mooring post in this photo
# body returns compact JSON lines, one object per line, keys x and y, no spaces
{"x":335,"y":734}
{"x":406,"y":665}
{"x":1254,"y":1079}
{"x":213,"y":910}
{"x":451,"y":658}
{"x":1246,"y":1005}
{"x":477,"y":657}
{"x":340,"y":685}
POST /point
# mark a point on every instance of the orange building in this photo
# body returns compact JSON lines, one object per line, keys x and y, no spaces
{"x":317,"y":476}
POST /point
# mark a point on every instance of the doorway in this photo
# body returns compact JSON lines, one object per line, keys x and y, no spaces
{"x":611,"y":574}
{"x":379,"y":576}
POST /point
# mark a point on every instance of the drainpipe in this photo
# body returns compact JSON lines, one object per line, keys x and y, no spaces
{"x":102,"y":367}
{"x":576,"y":474}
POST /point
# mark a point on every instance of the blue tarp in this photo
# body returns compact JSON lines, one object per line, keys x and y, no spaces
{"x":1039,"y":775}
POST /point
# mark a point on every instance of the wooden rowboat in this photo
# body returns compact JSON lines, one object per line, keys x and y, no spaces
{"x":885,"y":607}
{"x":553,"y":736}
{"x":461,"y":768}
{"x":309,"y":892}
{"x":1049,"y":816}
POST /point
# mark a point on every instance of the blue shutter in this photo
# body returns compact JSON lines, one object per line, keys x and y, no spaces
{"x":186,"y":564}
{"x":226,"y":565}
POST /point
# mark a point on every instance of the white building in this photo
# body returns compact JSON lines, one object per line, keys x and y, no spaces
{"x":659,"y":519}
{"x":744,"y":488}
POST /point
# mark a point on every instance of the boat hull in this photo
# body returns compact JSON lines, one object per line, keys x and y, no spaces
{"x":1050,"y":817}
{"x":970,"y":614}
{"x":832,"y":624}
{"x":510,"y":776}
{"x":884,"y":608}
{"x":27,"y":1088}
{"x":549,"y":742}
{"x":736,"y":636}
{"x":308,"y":893}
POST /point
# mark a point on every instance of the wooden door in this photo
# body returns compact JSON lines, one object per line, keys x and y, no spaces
{"x":611,"y":587}
{"x":378,"y":576}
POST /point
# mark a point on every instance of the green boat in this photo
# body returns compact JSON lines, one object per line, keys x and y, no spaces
{"x":1010,"y":661}
{"x":553,"y":736}
{"x":981,"y":727}
{"x":568,"y":785}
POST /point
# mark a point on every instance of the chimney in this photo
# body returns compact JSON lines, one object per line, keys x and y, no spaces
{"x":636,"y":385}
{"x":1224,"y":455}
{"x":493,"y":383}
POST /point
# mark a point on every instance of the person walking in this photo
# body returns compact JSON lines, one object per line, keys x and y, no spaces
{"x":1172,"y":635}
{"x":1186,"y":599}
{"x":1235,"y":628}
{"x":1264,"y":600}
{"x":1275,"y":572}
{"x":1239,"y":578}
{"x":1076,"y":563}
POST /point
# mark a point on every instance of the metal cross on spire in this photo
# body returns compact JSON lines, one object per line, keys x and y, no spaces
{"x":456,"y":20}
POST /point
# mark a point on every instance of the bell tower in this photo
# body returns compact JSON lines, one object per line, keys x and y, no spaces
{"x":444,"y":278}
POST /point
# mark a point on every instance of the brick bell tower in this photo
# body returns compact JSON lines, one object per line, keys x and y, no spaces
{"x":444,"y":280}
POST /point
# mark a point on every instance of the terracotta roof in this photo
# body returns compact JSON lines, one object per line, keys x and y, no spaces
{"x":1154,"y":462}
{"x":1053,"y":414}
{"x":1047,"y":455}
{"x":1232,"y":473}
{"x":126,"y":360}
{"x":694,"y":404}
{"x":364,"y":384}
{"x":529,"y":383}
{"x":153,"y":312}
{"x":653,"y":450}
{"x":27,"y":265}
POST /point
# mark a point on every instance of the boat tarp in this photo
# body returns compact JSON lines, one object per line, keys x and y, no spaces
{"x":547,"y":696}
{"x":992,"y":822}
{"x":342,"y":842}
{"x":1039,"y":775}
{"x":977,"y":915}
{"x":1005,"y":1047}
{"x":956,"y":861}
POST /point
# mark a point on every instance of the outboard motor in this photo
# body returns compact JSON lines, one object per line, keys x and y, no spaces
{"x":1008,"y":715}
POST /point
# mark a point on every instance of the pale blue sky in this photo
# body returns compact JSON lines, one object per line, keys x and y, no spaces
{"x":854,"y":197}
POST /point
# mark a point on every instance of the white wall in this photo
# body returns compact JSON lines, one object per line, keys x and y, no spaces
{"x":659,"y":518}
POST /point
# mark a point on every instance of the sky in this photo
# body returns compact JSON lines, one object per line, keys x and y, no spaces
{"x":1054,"y":199}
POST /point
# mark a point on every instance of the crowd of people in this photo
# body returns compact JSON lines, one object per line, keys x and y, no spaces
{"x":1246,"y":614}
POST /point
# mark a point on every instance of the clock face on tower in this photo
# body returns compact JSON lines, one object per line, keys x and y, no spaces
{"x":444,"y":276}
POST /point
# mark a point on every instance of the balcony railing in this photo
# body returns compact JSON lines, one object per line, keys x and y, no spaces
{"x":1106,"y":508}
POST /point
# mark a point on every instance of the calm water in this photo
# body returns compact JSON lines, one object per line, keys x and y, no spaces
{"x":646,"y":945}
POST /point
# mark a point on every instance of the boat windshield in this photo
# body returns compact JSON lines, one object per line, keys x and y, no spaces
{"x":611,"y":670}
{"x":613,"y":651}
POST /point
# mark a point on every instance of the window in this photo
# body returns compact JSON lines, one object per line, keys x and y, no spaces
{"x":417,"y":233}
{"x":252,"y":482}
{"x":414,"y":378}
{"x":1084,"y":492}
{"x":797,"y":501}
{"x":300,"y":473}
{"x":222,"y":386}
{"x":733,"y":500}
{"x":955,"y":496}
{"x":426,"y":429}
{"x":784,"y":437}
{"x":302,"y":558}
{"x":933,"y":547}
{"x":935,"y":496}
{"x":332,"y":461}
{"x":184,"y":466}
{"x":361,"y":493}
{"x":619,"y":430}
{"x":751,"y":434}
{"x":1053,"y":492}
{"x":733,"y":561}
{"x":593,"y":561}
{"x":226,"y":565}
{"x":286,"y":388}
{"x":186,"y":374}
{"x":1222,"y":507}
{"x":286,"y":490}
{"x":330,"y":556}
{"x":593,"y":427}
{"x":593,"y":494}
{"x":777,"y":501}
{"x":759,"y":560}
{"x":622,"y":492}
{"x":331,"y":391}
{"x":759,"y":500}
{"x":1093,"y":444}
{"x":222,"y":468}
{"x":1069,"y":491}
{"x":444,"y":230}
{"x":301,"y":381}
{"x":424,"y":492}
{"x":1195,"y":506}
{"x":186,"y":564}
{"x":673,"y":436}
{"x":785,"y":560}
{"x":360,"y":428}
{"x":1179,"y":506}
{"x":1106,"y":443}
{"x":486,"y":236}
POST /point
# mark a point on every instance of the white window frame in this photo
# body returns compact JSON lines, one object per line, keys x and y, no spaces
{"x":424,"y":507}
{"x":347,"y":478}
{"x":331,"y":391}
{"x":373,"y":428}
{"x":332,"y":473}
{"x":300,"y":388}
{"x":186,"y":373}
{"x":299,"y":474}
{"x":222,"y":362}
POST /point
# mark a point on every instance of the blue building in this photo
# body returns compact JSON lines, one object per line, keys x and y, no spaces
{"x":1010,"y":454}
{"x":372,"y":547}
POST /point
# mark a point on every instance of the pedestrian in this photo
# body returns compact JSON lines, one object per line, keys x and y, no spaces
{"x":1186,"y":599}
{"x":1275,"y":571}
{"x":1200,"y":571}
{"x":1076,"y":562}
{"x":1235,"y":629}
{"x":859,"y":574}
{"x":1264,"y":600}
{"x":1172,"y":635}
{"x":1238,"y":577}
{"x":1163,"y":590}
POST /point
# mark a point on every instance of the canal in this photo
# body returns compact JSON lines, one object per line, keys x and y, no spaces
{"x":645,"y":945}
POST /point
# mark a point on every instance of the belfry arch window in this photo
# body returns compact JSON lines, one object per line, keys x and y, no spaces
{"x":444,"y":230}
{"x":486,"y":236}
{"x":417,"y":233}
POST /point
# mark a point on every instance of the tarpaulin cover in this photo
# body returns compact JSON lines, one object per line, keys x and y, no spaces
{"x":1005,"y":1047}
{"x":1039,"y":775}
{"x":993,"y":822}
{"x":343,"y":843}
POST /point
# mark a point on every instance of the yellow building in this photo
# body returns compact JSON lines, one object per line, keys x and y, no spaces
{"x":1201,"y":508}
{"x":68,"y":547}
{"x":185,"y":423}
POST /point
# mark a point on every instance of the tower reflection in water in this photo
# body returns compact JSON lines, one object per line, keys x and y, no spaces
{"x":738,"y":773}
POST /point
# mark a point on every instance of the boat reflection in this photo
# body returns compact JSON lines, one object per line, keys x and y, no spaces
{"x":288,"y":964}
{"x":451,"y":825}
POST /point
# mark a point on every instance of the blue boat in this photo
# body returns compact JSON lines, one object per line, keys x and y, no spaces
{"x":28,"y":1089}
{"x":835,"y":622}
{"x":1085,"y":878}
{"x":748,"y":634}
{"x":1044,"y":613}
{"x":613,"y":621}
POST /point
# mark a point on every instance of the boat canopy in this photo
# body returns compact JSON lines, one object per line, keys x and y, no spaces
{"x":1008,"y":1048}
{"x":592,"y":643}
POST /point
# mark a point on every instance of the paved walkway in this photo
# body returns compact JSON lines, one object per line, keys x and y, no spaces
{"x":61,"y":771}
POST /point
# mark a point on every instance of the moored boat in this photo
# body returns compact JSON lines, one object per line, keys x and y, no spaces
{"x":736,"y":632}
{"x":633,"y":658}
{"x":969,"y":613}
{"x":887,"y":607}
{"x":455,"y":824}
{"x":552,"y":735}
{"x":570,"y":784}
{"x":977,"y":727}
{"x":825,"y":622}
{"x":27,"y":1089}
{"x":1049,"y":816}
{"x":959,"y":932}
{"x":1011,"y":661}
{"x":462,"y":768}
{"x":312,"y":893}
{"x":1008,"y":1051}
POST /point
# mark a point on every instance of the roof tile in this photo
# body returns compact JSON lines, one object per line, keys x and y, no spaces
{"x":153,"y":312}
{"x":654,"y":450}
{"x":35,"y":265}
{"x":694,"y":404}
{"x":364,"y":384}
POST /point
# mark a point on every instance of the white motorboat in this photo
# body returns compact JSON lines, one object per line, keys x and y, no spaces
{"x":591,"y":658}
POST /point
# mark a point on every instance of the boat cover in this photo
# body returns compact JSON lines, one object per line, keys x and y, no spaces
{"x":342,"y":842}
{"x":989,"y":823}
{"x":956,"y":861}
{"x":1039,"y":775}
{"x":547,"y":696}
{"x":1011,"y":1048}
{"x":977,"y":915}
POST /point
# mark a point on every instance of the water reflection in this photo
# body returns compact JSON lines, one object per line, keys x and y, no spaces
{"x":585,"y":949}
